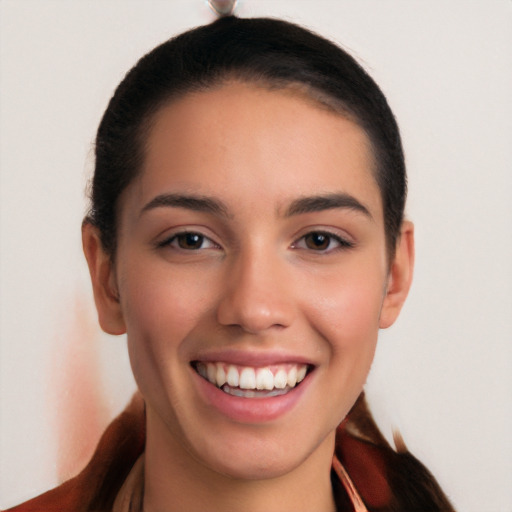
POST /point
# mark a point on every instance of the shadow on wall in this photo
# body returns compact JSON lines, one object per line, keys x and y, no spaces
{"x":76,"y":392}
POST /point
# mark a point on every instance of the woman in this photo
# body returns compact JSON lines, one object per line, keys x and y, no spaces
{"x":247,"y":233}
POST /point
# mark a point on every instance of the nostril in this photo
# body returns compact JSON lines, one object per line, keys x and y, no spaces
{"x":256,"y":294}
{"x":253,"y":317}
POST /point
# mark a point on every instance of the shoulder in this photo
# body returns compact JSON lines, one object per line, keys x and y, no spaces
{"x":96,"y":487}
{"x":387,"y":479}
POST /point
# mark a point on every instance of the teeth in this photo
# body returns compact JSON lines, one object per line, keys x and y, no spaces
{"x":292,"y":377}
{"x":211,"y":373}
{"x":241,"y":381}
{"x":280,"y":379}
{"x":248,"y":379}
{"x":251,"y":393}
{"x":201,"y":369}
{"x":264,"y":379}
{"x":232,"y":377}
{"x":220,"y":376}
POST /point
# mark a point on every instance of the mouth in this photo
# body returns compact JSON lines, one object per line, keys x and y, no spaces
{"x":253,"y":382}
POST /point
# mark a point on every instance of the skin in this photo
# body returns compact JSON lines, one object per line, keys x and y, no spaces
{"x":257,"y":284}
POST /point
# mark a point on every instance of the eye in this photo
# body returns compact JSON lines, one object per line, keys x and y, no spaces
{"x":189,"y":241}
{"x":322,"y":241}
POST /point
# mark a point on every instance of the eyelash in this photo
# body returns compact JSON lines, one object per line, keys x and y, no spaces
{"x":342,"y":243}
{"x":168,"y":242}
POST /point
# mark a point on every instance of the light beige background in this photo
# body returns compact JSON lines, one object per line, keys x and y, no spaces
{"x":443,"y":374}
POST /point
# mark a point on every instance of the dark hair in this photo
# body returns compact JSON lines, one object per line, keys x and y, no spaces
{"x":270,"y":52}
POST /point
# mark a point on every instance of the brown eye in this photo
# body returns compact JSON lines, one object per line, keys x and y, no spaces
{"x":322,"y":242}
{"x":317,"y":241}
{"x":190,"y":241}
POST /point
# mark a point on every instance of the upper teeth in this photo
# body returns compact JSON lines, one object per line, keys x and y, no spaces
{"x":247,"y":377}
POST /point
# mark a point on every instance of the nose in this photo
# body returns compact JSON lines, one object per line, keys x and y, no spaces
{"x":257,"y":294}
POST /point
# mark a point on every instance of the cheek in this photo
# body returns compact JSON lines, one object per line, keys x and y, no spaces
{"x":156,"y":297}
{"x":161,"y":310}
{"x":347,"y":310}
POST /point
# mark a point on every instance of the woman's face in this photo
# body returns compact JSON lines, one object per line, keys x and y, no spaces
{"x":252,"y":249}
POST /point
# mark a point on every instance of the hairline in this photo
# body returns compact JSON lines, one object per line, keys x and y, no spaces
{"x":307,"y":92}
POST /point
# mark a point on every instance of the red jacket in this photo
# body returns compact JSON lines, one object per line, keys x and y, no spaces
{"x":385,"y":479}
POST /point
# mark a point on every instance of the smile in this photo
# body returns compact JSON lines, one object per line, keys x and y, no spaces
{"x":252,"y":382}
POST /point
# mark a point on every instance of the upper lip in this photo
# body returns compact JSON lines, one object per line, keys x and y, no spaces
{"x":252,"y":357}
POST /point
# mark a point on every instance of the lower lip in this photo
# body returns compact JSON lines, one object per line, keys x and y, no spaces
{"x":250,"y":410}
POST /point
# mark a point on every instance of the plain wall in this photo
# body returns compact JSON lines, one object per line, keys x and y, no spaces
{"x":442,"y":374}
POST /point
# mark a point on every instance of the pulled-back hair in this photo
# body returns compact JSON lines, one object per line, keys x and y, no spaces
{"x":268,"y":52}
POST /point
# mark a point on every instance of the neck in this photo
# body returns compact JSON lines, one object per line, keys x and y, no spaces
{"x":176,"y":481}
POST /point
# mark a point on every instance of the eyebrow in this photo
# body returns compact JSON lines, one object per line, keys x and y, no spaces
{"x":308,"y":204}
{"x":319,"y":203}
{"x":190,"y":202}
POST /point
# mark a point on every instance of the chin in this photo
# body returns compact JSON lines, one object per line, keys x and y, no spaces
{"x":259,"y":468}
{"x":261,"y":454}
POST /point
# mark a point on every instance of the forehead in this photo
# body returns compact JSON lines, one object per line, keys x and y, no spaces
{"x":242,"y":139}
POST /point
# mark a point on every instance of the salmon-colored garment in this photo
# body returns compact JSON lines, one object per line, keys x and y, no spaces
{"x":368,"y":474}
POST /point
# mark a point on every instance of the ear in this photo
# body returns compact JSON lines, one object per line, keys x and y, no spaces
{"x":104,"y":282}
{"x":400,"y":276}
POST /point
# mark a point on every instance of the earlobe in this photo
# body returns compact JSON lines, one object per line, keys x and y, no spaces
{"x":103,"y":281}
{"x":400,"y":276}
